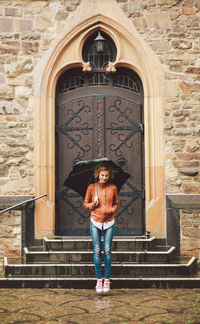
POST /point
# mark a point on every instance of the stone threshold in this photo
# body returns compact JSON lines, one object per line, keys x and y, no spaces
{"x":89,"y":283}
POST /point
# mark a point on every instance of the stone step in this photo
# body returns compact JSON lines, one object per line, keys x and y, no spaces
{"x":87,"y":256}
{"x":81,"y":270}
{"x":119,"y":244}
{"x":89,"y":283}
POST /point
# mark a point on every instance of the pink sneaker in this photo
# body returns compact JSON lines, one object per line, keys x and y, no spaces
{"x":106,"y":285}
{"x":99,"y":285}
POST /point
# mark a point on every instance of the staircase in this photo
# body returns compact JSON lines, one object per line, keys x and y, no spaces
{"x":138,"y":262}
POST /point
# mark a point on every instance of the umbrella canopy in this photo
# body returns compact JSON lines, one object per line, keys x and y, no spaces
{"x":82,"y":174}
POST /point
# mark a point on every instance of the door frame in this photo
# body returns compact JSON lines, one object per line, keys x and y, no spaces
{"x":133,"y":53}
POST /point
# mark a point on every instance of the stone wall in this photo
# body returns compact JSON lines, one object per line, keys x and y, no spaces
{"x":190,"y":232}
{"x":27,"y":30}
{"x":171,"y":29}
{"x":10,"y":235}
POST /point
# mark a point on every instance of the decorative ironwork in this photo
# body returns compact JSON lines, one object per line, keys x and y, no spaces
{"x":100,"y":127}
{"x":126,"y":81}
{"x":73,"y":133}
{"x":70,"y":81}
{"x":75,"y":206}
{"x":116,"y":128}
{"x":127,"y":207}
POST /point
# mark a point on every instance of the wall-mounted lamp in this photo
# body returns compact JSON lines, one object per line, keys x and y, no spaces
{"x":99,"y":42}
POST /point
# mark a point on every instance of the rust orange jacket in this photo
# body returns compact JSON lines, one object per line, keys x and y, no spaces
{"x":108,"y":201}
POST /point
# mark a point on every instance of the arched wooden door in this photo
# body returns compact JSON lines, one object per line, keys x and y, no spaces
{"x":99,"y":115}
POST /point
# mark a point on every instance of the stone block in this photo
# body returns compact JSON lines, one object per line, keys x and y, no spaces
{"x":188,"y":156}
{"x":23,"y":25}
{"x":193,"y":70}
{"x":13,"y":12}
{"x":43,"y":23}
{"x":158,"y":20}
{"x":170,"y":88}
{"x":188,"y":11}
{"x":7,"y":50}
{"x":61,"y":15}
{"x":16,"y":67}
{"x":6,"y":25}
{"x":2,"y":78}
{"x":192,"y":146}
{"x":30,"y":47}
{"x":182,"y":44}
{"x":17,"y":187}
{"x":30,"y":36}
{"x":6,"y":92}
{"x":186,"y":164}
{"x":191,"y":188}
{"x":140,"y":22}
{"x":23,"y":92}
{"x":189,"y":171}
{"x":161,"y":46}
{"x":189,"y":88}
{"x":6,"y":107}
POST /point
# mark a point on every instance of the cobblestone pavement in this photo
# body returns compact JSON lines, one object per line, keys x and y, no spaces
{"x":85,"y":306}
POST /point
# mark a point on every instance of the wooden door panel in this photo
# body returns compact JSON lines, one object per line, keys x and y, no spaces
{"x":124,"y":145}
{"x":92,"y":127}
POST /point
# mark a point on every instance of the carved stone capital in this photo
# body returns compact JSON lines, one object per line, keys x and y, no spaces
{"x":111,"y":68}
{"x":86,"y":67}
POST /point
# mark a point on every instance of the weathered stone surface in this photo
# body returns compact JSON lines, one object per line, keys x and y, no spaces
{"x":189,"y":171}
{"x":189,"y":88}
{"x":158,"y":20}
{"x":23,"y":92}
{"x":13,"y":12}
{"x":6,"y":92}
{"x":191,"y":188}
{"x":186,"y":164}
{"x":23,"y":25}
{"x":16,"y":67}
{"x":43,"y":23}
{"x":182,"y":44}
{"x":188,"y":10}
{"x":6,"y":25}
{"x":22,"y":187}
{"x":61,"y":15}
{"x":193,"y":70}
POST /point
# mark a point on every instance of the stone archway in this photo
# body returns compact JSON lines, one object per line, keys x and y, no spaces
{"x":133,"y":53}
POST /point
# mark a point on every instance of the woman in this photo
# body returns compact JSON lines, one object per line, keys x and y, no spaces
{"x":102,"y":199}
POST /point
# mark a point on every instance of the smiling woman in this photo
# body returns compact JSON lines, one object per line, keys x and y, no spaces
{"x":102,"y":200}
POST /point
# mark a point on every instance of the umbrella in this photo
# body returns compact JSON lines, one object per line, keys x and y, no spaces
{"x":82,"y":174}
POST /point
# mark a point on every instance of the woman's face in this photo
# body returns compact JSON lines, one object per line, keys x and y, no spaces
{"x":104,"y":176}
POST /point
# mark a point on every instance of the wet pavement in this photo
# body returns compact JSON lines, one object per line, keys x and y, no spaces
{"x":85,"y":306}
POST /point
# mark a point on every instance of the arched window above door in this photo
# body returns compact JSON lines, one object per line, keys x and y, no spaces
{"x":99,"y":49}
{"x":76,"y":78}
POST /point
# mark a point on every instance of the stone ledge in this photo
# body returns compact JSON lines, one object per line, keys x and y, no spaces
{"x":9,"y":201}
{"x":183,"y":201}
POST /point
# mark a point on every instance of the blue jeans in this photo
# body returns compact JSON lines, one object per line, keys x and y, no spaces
{"x":107,"y":246}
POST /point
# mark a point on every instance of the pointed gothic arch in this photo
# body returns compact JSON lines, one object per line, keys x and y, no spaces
{"x":133,"y":53}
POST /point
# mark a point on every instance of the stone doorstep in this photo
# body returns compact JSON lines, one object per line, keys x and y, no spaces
{"x":81,"y":269}
{"x":87,"y":256}
{"x":62,"y":244}
{"x":169,"y":251}
{"x":123,"y":264}
{"x":88,"y":239}
{"x":89,"y":283}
